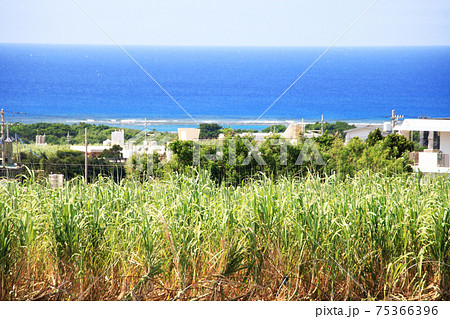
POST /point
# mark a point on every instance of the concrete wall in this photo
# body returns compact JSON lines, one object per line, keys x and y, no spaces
{"x":445,"y":142}
{"x":362,"y":133}
{"x":118,"y":138}
{"x":428,"y":163}
{"x":428,"y":160}
{"x":188,"y":134}
{"x":293,"y":131}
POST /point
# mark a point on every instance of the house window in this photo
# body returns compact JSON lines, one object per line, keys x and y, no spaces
{"x":436,"y":141}
{"x":424,"y":141}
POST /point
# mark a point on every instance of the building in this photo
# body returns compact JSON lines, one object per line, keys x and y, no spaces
{"x":312,"y":133}
{"x":40,"y":140}
{"x":128,"y":148}
{"x":141,"y":149}
{"x":93,"y":150}
{"x":293,"y":131}
{"x":188,"y":134}
{"x":118,"y":138}
{"x":360,"y":132}
{"x":435,"y":136}
{"x":8,"y":168}
{"x":256,"y":136}
{"x":7,"y":148}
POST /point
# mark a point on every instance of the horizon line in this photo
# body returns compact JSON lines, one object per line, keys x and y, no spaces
{"x":229,"y":46}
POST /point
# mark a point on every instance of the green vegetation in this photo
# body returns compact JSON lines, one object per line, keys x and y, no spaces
{"x":209,"y":131}
{"x":275,"y":128}
{"x":234,"y":227}
{"x":332,"y":128}
{"x":387,"y":155}
{"x":161,"y":137}
{"x":56,"y":133}
{"x":113,"y":152}
{"x":43,"y":149}
{"x":188,"y":238}
{"x":71,"y":164}
{"x":374,"y":137}
{"x":239,"y":131}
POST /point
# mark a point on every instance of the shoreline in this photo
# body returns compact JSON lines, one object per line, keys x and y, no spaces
{"x":171,"y":125}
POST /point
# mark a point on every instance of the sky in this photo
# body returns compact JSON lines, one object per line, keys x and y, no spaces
{"x":227,"y":22}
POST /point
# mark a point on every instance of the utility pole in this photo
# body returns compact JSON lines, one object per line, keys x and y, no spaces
{"x":9,"y":155}
{"x":85,"y":155}
{"x":18,"y":159}
{"x":3,"y":138}
{"x":146,"y":148}
{"x":145,"y":133}
{"x":321,"y":122}
{"x":395,"y":119}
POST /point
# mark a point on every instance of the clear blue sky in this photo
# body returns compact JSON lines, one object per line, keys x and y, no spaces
{"x":227,"y":22}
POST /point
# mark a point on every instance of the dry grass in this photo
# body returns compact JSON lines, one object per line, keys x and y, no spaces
{"x":371,"y":237}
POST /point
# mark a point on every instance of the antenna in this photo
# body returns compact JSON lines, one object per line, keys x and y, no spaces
{"x":395,"y":119}
{"x":3,"y":138}
{"x":145,"y":132}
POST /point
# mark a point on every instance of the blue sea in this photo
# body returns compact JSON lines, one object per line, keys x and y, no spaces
{"x":231,"y":86}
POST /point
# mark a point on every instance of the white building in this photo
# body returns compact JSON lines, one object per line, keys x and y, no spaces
{"x":360,"y":132}
{"x":255,"y":136}
{"x":40,"y":140}
{"x":293,"y":131}
{"x":188,"y":134}
{"x":118,"y":138}
{"x":435,"y":135}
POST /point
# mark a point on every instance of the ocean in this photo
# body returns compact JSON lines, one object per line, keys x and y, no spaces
{"x":230,"y":86}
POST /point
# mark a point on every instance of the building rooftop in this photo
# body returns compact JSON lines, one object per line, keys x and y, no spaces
{"x":424,"y":125}
{"x":368,"y":127}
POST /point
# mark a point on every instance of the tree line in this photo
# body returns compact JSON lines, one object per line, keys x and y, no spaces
{"x":237,"y":158}
{"x":56,"y":133}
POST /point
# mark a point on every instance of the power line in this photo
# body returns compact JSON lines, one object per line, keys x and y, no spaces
{"x":133,"y":59}
{"x":317,"y":60}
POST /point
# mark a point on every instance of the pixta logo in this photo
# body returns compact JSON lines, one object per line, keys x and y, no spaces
{"x":146,"y":157}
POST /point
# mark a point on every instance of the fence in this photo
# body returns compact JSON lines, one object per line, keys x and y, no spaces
{"x":443,"y":160}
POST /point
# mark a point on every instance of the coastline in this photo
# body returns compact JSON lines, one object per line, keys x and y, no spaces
{"x":171,"y":125}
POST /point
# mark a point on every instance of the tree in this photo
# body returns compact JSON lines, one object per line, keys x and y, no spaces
{"x":183,"y":152}
{"x":209,"y":130}
{"x":397,"y":145}
{"x":332,"y":128}
{"x":113,"y":152}
{"x":276,"y":128}
{"x":325,"y":141}
{"x":56,"y":133}
{"x":374,"y":137}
